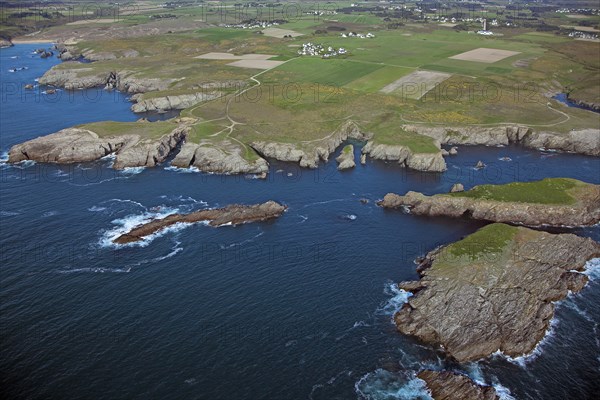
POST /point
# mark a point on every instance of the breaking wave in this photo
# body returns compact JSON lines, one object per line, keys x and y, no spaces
{"x":398,"y":298}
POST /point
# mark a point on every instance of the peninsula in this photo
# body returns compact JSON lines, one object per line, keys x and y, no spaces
{"x":548,"y":202}
{"x":494,"y":290}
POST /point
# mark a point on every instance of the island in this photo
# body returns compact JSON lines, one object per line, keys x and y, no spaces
{"x":494,"y":290}
{"x":447,"y":385}
{"x":548,"y":202}
{"x":230,"y":215}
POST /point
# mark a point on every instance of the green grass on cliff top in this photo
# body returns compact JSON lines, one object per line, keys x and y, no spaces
{"x":491,"y":239}
{"x":547,"y":191}
{"x":146,"y":130}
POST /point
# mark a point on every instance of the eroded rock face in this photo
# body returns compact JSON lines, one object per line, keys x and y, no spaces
{"x":309,"y":154}
{"x":79,"y":77}
{"x":4,"y":43}
{"x":446,"y":385}
{"x":585,"y":213}
{"x":223,"y":157}
{"x":583,"y":141}
{"x":74,"y":145}
{"x":433,"y":162}
{"x":233,"y":214}
{"x":475,"y":298}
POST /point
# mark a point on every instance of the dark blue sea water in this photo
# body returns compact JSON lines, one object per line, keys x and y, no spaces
{"x":298,"y":308}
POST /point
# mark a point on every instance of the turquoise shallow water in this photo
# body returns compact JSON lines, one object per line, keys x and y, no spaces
{"x":297,"y":308}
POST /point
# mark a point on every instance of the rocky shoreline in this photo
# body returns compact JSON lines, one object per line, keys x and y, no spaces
{"x":494,"y":290}
{"x":595,"y":107}
{"x":233,"y":214}
{"x":74,"y":145}
{"x":5,"y":43}
{"x":582,"y":141}
{"x":584,"y":212}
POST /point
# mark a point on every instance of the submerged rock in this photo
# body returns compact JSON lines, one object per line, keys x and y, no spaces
{"x":494,"y":290}
{"x":233,"y":214}
{"x":446,"y":385}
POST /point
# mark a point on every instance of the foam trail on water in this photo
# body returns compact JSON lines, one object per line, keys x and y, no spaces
{"x":384,"y":385}
{"x":243,"y":242}
{"x":97,"y":270}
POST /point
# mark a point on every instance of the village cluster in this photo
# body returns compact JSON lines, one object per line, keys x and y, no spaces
{"x":358,"y":35}
{"x":251,"y":25}
{"x":583,"y":35}
{"x":584,"y":11}
{"x":313,"y":49}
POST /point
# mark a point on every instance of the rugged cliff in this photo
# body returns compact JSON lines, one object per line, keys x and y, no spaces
{"x":583,"y":141}
{"x":446,"y":385}
{"x":550,"y":202}
{"x":494,"y":290}
{"x":233,"y":214}
{"x":308,"y":154}
{"x":75,"y":145}
{"x":4,"y":43}
{"x":81,"y":77}
{"x":222,"y":157}
{"x":433,"y":162}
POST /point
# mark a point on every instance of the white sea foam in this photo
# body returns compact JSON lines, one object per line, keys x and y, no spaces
{"x":359,"y":324}
{"x":398,"y":298}
{"x":350,"y":217}
{"x":189,"y":170}
{"x":303,"y":217}
{"x":126,"y":224}
{"x":96,"y":209}
{"x":49,"y":214}
{"x":4,"y":157}
{"x":502,"y":391}
{"x":592,"y":269}
{"x":524,"y":359}
{"x":385,"y":385}
{"x":132,"y":170}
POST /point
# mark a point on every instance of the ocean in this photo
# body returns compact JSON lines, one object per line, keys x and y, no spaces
{"x":297,"y":308}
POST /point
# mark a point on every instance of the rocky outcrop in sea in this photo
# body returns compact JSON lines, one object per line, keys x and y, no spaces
{"x":346,"y":159}
{"x":233,"y":214}
{"x":494,"y":290}
{"x":446,"y":385}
